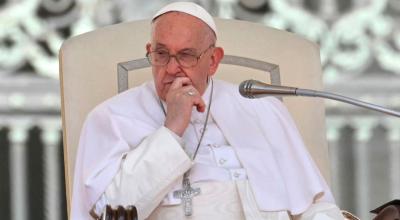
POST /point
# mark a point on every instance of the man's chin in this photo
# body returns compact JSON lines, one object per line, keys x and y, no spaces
{"x":164,"y":91}
{"x":163,"y":94}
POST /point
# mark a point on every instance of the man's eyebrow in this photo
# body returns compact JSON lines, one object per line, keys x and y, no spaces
{"x":188,"y":50}
{"x":159,"y":45}
{"x":163,"y":46}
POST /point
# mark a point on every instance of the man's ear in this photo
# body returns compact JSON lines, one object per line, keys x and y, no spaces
{"x":216,"y":58}
{"x":148,"y":47}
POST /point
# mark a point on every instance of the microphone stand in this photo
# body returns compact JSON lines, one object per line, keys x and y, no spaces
{"x":256,"y":89}
{"x":313,"y":93}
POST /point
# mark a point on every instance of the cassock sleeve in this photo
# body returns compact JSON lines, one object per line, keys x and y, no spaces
{"x":148,"y":172}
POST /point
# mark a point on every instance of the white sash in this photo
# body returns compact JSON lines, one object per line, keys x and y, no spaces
{"x":228,"y":200}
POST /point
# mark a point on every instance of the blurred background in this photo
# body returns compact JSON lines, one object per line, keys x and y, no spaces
{"x":360,"y":54}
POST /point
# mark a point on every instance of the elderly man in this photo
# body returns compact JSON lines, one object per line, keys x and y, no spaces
{"x":188,"y":147}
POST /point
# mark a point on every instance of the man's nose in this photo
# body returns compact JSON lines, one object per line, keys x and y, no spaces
{"x":173,"y":66}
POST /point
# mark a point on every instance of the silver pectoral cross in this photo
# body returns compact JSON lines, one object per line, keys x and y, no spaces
{"x":186,"y":195}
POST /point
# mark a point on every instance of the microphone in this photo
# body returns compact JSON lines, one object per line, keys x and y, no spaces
{"x":255,"y":89}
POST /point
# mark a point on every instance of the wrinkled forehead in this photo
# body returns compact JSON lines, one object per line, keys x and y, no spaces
{"x":181,"y":19}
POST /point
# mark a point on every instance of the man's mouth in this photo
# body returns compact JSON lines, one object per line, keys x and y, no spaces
{"x":168,"y":81}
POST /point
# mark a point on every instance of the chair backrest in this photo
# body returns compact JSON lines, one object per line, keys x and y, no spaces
{"x":89,"y":66}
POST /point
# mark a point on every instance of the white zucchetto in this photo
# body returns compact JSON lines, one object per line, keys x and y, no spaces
{"x":191,"y":9}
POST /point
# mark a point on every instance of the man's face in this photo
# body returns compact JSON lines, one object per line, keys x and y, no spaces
{"x":175,"y":33}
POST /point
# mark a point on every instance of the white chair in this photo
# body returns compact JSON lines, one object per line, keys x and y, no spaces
{"x":96,"y":65}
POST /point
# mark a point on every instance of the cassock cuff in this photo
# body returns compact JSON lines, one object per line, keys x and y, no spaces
{"x":177,"y":138}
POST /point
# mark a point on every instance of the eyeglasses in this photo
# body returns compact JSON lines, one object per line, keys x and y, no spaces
{"x":184,"y":59}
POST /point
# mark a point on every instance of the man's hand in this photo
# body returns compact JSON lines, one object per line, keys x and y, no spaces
{"x":181,"y":98}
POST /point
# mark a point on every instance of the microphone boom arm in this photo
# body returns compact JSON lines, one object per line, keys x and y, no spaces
{"x":313,"y":93}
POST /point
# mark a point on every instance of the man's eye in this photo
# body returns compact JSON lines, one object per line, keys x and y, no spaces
{"x":186,"y":56}
{"x":161,"y":53}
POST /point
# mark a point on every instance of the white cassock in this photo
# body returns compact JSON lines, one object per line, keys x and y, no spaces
{"x":252,"y":163}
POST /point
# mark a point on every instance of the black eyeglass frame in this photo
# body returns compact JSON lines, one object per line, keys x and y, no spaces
{"x":198,"y":57}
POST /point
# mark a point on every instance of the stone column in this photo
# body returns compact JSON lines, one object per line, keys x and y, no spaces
{"x":333,"y":134}
{"x":18,"y":171}
{"x":363,"y":134}
{"x":52,"y":192}
{"x":394,"y":140}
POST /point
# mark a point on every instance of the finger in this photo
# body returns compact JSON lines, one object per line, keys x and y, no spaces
{"x":195,"y":96}
{"x":179,"y":82}
{"x":200,"y":104}
{"x":190,"y":89}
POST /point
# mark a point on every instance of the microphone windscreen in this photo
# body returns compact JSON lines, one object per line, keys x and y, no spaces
{"x":244,"y":88}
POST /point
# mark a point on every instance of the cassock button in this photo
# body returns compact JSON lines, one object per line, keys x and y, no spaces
{"x":222,"y":161}
{"x":236,"y":174}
